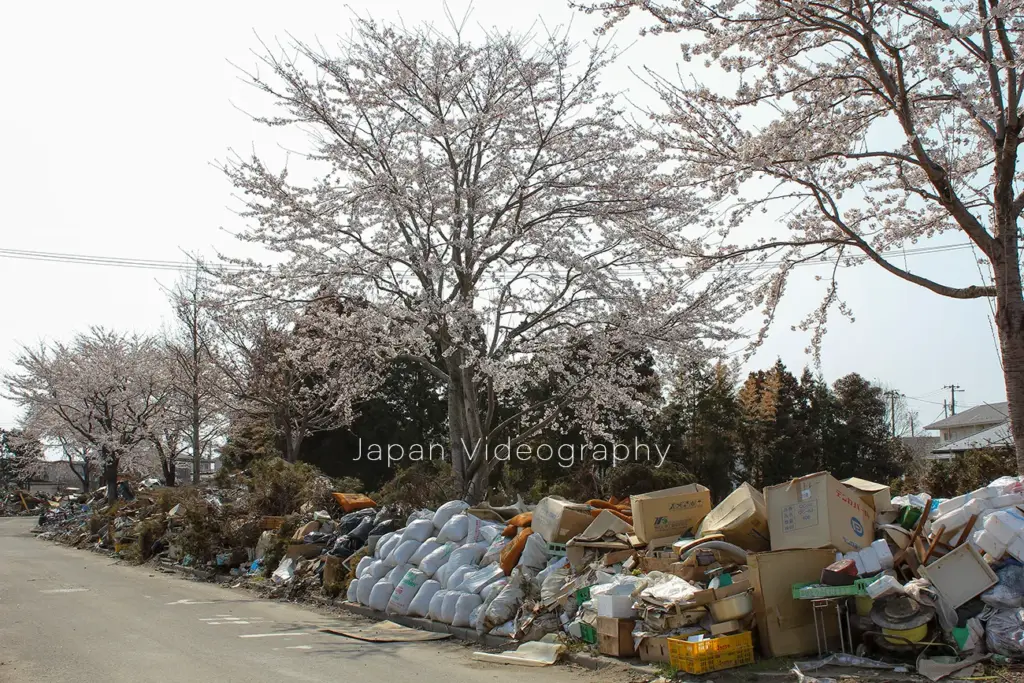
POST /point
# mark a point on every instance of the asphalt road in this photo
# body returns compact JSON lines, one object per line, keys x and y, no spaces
{"x":73,"y":615}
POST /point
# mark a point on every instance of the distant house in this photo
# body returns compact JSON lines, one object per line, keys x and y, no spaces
{"x":183,"y":468}
{"x":920,"y":446}
{"x":52,"y":476}
{"x":984,"y":426}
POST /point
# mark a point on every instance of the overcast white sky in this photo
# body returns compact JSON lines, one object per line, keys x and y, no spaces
{"x":114,"y":113}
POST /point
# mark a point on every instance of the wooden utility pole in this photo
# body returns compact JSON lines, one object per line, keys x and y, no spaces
{"x":893,"y":395}
{"x":954,"y":389}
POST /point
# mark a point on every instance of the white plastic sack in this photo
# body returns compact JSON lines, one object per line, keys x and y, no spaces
{"x":436,"y":604}
{"x":454,"y":529}
{"x":464,"y":609}
{"x":476,"y":619}
{"x":505,"y":605}
{"x":454,"y":582}
{"x":494,"y":548}
{"x":443,"y":573}
{"x":380,"y":594}
{"x":397,"y":573}
{"x":285,"y":571}
{"x":467,"y":554}
{"x":428,"y":546}
{"x":447,"y":511}
{"x":418,"y":515}
{"x":554,"y":565}
{"x":418,"y":531}
{"x":376,"y":571}
{"x":403,"y":553}
{"x":535,"y":554}
{"x":476,"y":581}
{"x":449,"y":606}
{"x":437,"y":558}
{"x":491,"y":590}
{"x":364,"y":562}
{"x":478,"y":530}
{"x":406,"y":591}
{"x":386,"y":544}
{"x":420,"y":606}
{"x":508,"y":629}
{"x":353,"y":591}
{"x":366,"y":585}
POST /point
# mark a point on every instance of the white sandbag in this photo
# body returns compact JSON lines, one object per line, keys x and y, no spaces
{"x":478,"y":530}
{"x":491,"y":590}
{"x":420,"y":515}
{"x":449,"y":606}
{"x":467,"y":554}
{"x":476,"y":619}
{"x":535,"y":554}
{"x":436,"y":604}
{"x":376,"y":571}
{"x":364,"y":562}
{"x":476,"y":581}
{"x":418,"y":531}
{"x":457,"y":575}
{"x":403,"y":553}
{"x":491,"y":531}
{"x":505,"y":604}
{"x":447,"y":511}
{"x":353,"y":591}
{"x":464,"y":609}
{"x":428,"y":546}
{"x":508,"y":629}
{"x":443,"y":573}
{"x":380,"y":595}
{"x":494,"y":548}
{"x":406,"y":591}
{"x":454,"y":529}
{"x":396,"y":573}
{"x":420,"y":606}
{"x":554,"y":565}
{"x":437,"y":558}
{"x":387,"y":543}
{"x":366,"y":585}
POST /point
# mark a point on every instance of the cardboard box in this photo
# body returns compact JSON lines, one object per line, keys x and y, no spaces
{"x":654,"y":649}
{"x":877,"y":496}
{"x":960,"y":575}
{"x":304,"y":551}
{"x":671,"y":512}
{"x":615,"y":637}
{"x":558,"y":520}
{"x":742,"y":518}
{"x":785,"y":625}
{"x":817,"y":511}
{"x":726,"y":627}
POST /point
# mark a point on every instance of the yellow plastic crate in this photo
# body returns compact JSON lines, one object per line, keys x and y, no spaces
{"x":713,"y":654}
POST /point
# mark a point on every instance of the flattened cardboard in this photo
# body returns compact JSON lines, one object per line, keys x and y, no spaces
{"x":877,"y":496}
{"x":558,"y":520}
{"x":786,"y":626}
{"x":817,"y":511}
{"x":742,"y":518}
{"x":663,"y":513}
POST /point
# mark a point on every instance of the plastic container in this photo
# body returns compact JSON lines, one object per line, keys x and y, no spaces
{"x":814,"y":591}
{"x":712,"y":654}
{"x":615,"y":606}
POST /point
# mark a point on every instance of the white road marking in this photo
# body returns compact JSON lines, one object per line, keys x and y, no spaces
{"x":299,"y":647}
{"x":191,"y":602}
{"x":274,"y":635}
{"x":65,"y":590}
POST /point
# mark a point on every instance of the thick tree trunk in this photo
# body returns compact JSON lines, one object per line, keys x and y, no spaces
{"x":110,"y":477}
{"x":169,"y":471}
{"x":1010,"y":323}
{"x":197,"y":448}
{"x":468,"y":447}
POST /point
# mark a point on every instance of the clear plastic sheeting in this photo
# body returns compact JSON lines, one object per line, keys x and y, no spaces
{"x":667,"y":589}
{"x":1004,"y":632}
{"x":1009,"y":592}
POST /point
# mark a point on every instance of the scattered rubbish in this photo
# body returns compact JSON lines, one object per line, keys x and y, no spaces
{"x":386,"y":632}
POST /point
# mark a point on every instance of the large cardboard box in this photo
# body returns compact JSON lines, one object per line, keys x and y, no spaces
{"x":615,"y":637}
{"x":654,"y":649}
{"x":817,"y":511}
{"x":877,"y":495}
{"x":742,"y":518}
{"x":786,"y":626}
{"x":558,"y":520}
{"x":670,"y":512}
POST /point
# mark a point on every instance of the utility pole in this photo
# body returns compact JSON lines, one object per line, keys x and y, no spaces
{"x":954,"y":389}
{"x":893,"y":395}
{"x":912,"y":425}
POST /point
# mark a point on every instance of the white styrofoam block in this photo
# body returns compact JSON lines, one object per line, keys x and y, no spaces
{"x":989,"y":544}
{"x":869,"y":557}
{"x":984,"y":493}
{"x":1005,"y":525}
{"x":855,"y":556}
{"x":1017,"y":548}
{"x":881,"y":548}
{"x":1007,"y":500}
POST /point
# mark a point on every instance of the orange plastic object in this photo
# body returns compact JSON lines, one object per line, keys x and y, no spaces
{"x":350,"y":502}
{"x":511,"y":552}
{"x":522,"y":519}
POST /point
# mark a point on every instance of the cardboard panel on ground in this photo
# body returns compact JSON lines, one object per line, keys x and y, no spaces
{"x":670,"y":512}
{"x":817,"y":511}
{"x":742,"y":518}
{"x":786,"y":626}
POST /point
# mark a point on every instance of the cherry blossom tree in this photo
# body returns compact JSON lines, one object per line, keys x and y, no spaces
{"x":105,"y":388}
{"x":494,"y":216}
{"x":872,"y":124}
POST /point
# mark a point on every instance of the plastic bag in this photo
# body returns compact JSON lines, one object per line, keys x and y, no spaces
{"x":508,"y":629}
{"x":535,"y":552}
{"x":449,"y":606}
{"x":404,"y":552}
{"x":420,"y":606}
{"x":380,"y":594}
{"x":505,"y":605}
{"x":437,"y":558}
{"x":1004,"y":632}
{"x":554,"y":565}
{"x":467,"y":554}
{"x":1009,"y":592}
{"x":493,"y":552}
{"x":553,"y":584}
{"x":447,"y":511}
{"x":285,"y":571}
{"x":464,"y":609}
{"x":406,"y":591}
{"x":476,"y":618}
{"x":477,"y":530}
{"x":454,"y":529}
{"x":476,"y":581}
{"x":362,"y":531}
{"x":436,"y":604}
{"x":491,"y":590}
{"x":364,"y":562}
{"x":428,"y":546}
{"x":510,"y":553}
{"x":418,"y":531}
{"x":353,"y":591}
{"x":353,"y":519}
{"x":457,"y":575}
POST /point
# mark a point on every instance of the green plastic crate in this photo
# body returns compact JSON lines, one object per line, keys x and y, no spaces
{"x":582,"y":595}
{"x":556,"y":549}
{"x":589,"y":634}
{"x":812,"y":591}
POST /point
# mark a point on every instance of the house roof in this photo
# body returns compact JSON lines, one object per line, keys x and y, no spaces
{"x":985,"y":414}
{"x":992,"y":437}
{"x":920,"y":445}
